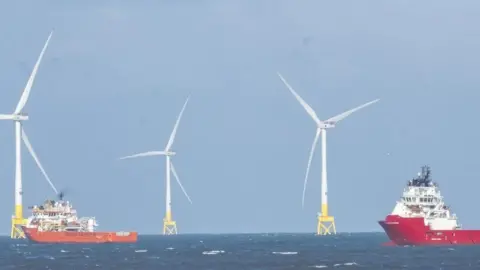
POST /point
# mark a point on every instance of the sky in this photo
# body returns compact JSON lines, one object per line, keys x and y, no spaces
{"x":116,"y":75}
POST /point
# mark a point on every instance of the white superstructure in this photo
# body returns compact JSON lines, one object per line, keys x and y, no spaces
{"x":422,"y":198}
{"x":59,"y":216}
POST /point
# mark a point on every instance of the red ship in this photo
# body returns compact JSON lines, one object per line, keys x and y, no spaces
{"x":57,"y":222}
{"x":37,"y":236}
{"x":422,"y":218}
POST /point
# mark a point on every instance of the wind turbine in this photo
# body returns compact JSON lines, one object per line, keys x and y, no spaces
{"x":169,"y":225}
{"x":17,"y":117}
{"x":325,"y":222}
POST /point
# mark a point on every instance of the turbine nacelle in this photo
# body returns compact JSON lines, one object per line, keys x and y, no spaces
{"x":324,"y":125}
{"x":20,"y":117}
{"x":14,"y":117}
{"x":170,"y":153}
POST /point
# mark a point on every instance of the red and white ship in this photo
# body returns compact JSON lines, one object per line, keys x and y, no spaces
{"x":422,"y":218}
{"x":57,"y":222}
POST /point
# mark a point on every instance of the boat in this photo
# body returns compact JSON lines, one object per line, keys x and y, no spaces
{"x":421,"y":217}
{"x":57,"y":222}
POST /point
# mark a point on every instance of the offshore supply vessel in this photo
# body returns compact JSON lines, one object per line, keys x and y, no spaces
{"x":57,"y":222}
{"x":421,"y":217}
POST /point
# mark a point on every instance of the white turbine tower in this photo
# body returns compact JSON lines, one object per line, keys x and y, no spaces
{"x":326,"y":223}
{"x":169,"y":225}
{"x":17,"y":116}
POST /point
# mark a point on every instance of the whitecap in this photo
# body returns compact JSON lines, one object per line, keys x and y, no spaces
{"x":346,"y":264}
{"x":285,"y":252}
{"x":319,"y":266}
{"x":64,"y":251}
{"x":213,"y":252}
{"x":31,"y":257}
{"x":140,"y":250}
{"x":170,"y":248}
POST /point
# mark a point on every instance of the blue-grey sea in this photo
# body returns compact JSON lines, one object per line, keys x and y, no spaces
{"x":239,"y":251}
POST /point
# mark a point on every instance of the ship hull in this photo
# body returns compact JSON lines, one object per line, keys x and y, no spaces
{"x":413,"y":231}
{"x":79,"y":237}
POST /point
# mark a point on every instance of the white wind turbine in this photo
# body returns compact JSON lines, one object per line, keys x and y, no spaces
{"x":169,"y":226}
{"x":17,"y":116}
{"x":322,"y":127}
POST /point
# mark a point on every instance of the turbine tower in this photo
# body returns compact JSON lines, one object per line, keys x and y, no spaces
{"x":326,"y":223}
{"x":169,"y":225}
{"x":17,"y":117}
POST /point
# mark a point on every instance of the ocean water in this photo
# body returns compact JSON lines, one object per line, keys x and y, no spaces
{"x":238,"y":251}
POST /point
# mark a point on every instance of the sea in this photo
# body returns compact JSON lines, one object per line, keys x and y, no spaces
{"x":239,"y":251}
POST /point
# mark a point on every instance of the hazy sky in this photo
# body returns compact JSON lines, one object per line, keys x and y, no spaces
{"x":116,"y":75}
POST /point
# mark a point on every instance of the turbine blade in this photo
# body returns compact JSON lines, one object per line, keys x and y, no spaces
{"x":343,"y":115}
{"x":6,"y":117}
{"x":178,"y":181}
{"x":28,"y":87}
{"x":309,"y":162}
{"x":307,"y":107}
{"x":174,"y":132}
{"x":32,"y":152}
{"x":145,"y":154}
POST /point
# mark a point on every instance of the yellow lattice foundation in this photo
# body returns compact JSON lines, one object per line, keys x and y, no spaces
{"x":169,"y":227}
{"x":326,"y":225}
{"x":16,"y":231}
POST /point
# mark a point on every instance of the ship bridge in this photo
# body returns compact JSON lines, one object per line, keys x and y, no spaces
{"x":422,"y":195}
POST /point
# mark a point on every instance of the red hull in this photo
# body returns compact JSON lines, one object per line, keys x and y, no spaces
{"x":80,"y":237}
{"x":412,"y":231}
